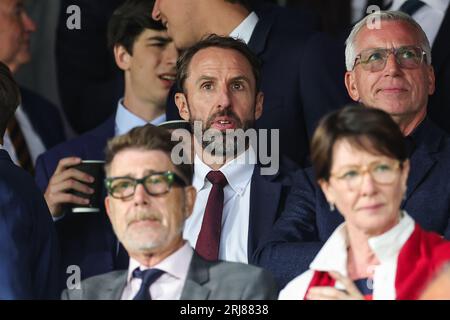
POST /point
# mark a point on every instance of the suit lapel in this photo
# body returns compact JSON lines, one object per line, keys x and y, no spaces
{"x":198,"y":275}
{"x":441,"y":46}
{"x":264,"y":201}
{"x":260,"y":35}
{"x":114,"y":287}
{"x":423,"y":158}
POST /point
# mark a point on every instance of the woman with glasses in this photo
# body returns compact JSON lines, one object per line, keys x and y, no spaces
{"x":360,"y":160}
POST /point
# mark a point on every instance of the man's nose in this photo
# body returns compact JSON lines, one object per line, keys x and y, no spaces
{"x":28,"y":23}
{"x":140,"y":195}
{"x":156,"y":14}
{"x":224,"y":98}
{"x":171,"y":54}
{"x":392,"y":67}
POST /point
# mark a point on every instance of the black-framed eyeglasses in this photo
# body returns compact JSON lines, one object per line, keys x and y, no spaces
{"x":374,"y":60}
{"x":156,"y":183}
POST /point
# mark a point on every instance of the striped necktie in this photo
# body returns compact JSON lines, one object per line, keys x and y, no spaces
{"x":20,"y":145}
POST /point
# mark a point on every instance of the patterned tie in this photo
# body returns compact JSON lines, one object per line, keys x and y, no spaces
{"x":411,"y":6}
{"x":209,"y":237}
{"x":20,"y":145}
{"x":148,"y":277}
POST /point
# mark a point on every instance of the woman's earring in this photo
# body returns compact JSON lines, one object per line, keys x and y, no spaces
{"x":332,"y":207}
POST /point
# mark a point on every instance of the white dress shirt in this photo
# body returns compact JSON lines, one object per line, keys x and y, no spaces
{"x":126,"y":120}
{"x":430,"y":16}
{"x":34,"y":142}
{"x":333,"y":257}
{"x":236,"y":209}
{"x":170,"y":285}
{"x":245,"y":29}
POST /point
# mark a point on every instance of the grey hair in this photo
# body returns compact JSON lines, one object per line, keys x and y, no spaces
{"x":350,"y":43}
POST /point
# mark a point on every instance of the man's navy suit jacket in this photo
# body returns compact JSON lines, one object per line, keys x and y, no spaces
{"x":290,"y":103}
{"x":307,"y":221}
{"x":44,"y":118}
{"x":89,"y":241}
{"x":439,"y":103}
{"x":29,"y":254}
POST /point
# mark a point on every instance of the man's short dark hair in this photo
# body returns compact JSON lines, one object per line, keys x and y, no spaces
{"x":9,"y":97}
{"x":129,"y":21}
{"x":147,"y":138}
{"x":215,"y":41}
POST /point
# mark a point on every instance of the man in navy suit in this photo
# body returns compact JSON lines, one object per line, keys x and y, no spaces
{"x":238,"y":201}
{"x":398,"y":78}
{"x":279,"y":43}
{"x":147,"y":56}
{"x":28,"y":246}
{"x":38,"y":119}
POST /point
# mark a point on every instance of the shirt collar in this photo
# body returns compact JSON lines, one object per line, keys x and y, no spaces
{"x":176,"y":265}
{"x":245,"y":30}
{"x":126,"y":120}
{"x":238,"y":171}
{"x":333,"y":255}
{"x":439,"y":5}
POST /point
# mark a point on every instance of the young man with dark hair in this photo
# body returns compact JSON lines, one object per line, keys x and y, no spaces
{"x":143,"y":50}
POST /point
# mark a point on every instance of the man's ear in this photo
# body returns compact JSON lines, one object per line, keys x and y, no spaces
{"x":190,"y":196}
{"x":122,"y":57}
{"x":183,"y":108}
{"x":431,"y":80}
{"x":108,"y":209}
{"x":350,"y":84}
{"x":259,"y":105}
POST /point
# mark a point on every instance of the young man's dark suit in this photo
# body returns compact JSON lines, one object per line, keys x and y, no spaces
{"x":307,"y":221}
{"x":29,"y":253}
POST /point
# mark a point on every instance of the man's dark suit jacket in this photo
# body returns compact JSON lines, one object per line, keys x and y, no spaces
{"x":29,"y":253}
{"x":44,"y":118}
{"x":439,"y":103}
{"x":205,"y":280}
{"x":86,"y":240}
{"x":307,"y":221}
{"x":290,"y":103}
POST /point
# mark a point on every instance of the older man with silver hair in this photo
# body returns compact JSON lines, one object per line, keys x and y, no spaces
{"x":389,"y":67}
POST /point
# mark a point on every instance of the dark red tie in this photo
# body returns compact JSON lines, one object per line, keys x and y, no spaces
{"x":209,"y":237}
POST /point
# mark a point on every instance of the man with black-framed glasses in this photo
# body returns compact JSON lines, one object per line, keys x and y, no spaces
{"x":149,"y":198}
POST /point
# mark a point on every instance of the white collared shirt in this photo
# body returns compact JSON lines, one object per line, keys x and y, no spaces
{"x":170,"y":285}
{"x":245,"y":29}
{"x":333,"y":257}
{"x":430,"y":16}
{"x":126,"y":120}
{"x":236,"y":209}
{"x":34,"y":142}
